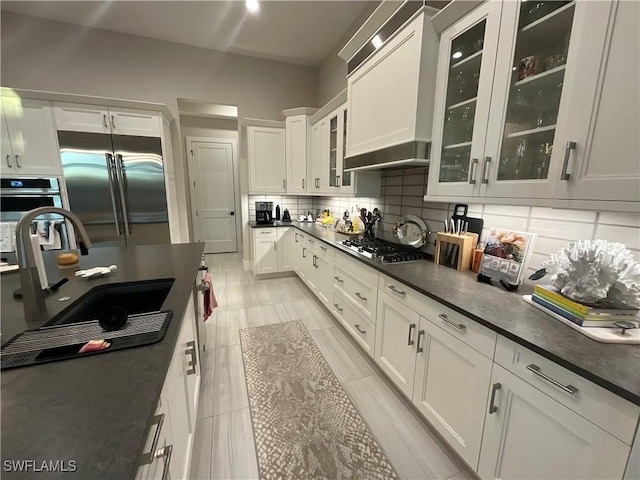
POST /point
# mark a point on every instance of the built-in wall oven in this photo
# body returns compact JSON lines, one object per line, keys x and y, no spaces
{"x":18,"y":196}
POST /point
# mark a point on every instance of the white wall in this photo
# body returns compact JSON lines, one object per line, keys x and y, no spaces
{"x":45,"y":55}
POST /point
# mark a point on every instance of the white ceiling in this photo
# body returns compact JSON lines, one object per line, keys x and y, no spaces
{"x":301,"y":32}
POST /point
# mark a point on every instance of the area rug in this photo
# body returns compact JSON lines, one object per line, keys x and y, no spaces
{"x":304,"y":423}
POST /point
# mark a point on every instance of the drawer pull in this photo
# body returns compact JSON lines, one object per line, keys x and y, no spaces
{"x":166,"y":453}
{"x":396,"y":291}
{"x":409,"y":340}
{"x":459,"y":326}
{"x":8,"y":158}
{"x":296,"y":236}
{"x":565,"y":165}
{"x":268,"y":232}
{"x":337,"y":307}
{"x":567,"y":388}
{"x":420,"y":335}
{"x":357,"y":327}
{"x":304,"y":252}
{"x":364,"y":299}
{"x":339,"y":279}
{"x":324,"y":249}
{"x":492,"y":405}
{"x":147,"y":458}
{"x":315,"y":261}
{"x":194,"y":359}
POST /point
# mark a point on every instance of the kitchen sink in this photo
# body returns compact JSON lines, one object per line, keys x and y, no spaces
{"x":134,"y":297}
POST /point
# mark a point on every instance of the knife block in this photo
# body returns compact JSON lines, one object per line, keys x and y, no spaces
{"x":466,"y":244}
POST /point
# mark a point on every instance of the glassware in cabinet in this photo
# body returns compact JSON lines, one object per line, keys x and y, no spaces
{"x":346,"y":176}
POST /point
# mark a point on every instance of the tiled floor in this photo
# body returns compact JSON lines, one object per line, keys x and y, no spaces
{"x":223,"y":445}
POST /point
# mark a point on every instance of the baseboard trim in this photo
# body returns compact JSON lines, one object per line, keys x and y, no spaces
{"x":246,"y":265}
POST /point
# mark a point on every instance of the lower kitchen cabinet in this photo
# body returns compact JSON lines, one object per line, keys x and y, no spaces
{"x":320,"y":276}
{"x":396,"y":333}
{"x":169,"y":441}
{"x":285,"y":247}
{"x":360,"y":328}
{"x":527,"y":434}
{"x":450,"y":390}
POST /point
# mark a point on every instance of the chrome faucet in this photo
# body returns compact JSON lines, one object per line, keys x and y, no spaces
{"x":33,"y":295}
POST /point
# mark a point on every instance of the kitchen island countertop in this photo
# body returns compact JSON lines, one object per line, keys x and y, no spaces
{"x":94,"y":411}
{"x":612,"y":366}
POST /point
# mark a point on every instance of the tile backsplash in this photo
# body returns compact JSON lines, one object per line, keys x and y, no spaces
{"x":403,"y":191}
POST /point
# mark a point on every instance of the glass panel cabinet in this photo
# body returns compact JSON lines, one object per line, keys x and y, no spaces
{"x":465,"y":75}
{"x":519,"y":162}
{"x":339,"y":181}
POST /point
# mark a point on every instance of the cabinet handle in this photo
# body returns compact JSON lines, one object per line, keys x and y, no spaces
{"x":265,"y":233}
{"x":296,"y":236}
{"x":194,"y":359}
{"x":104,"y":118}
{"x":147,"y":458}
{"x":284,"y":183}
{"x":565,"y":165}
{"x":337,"y":307}
{"x":396,"y":291}
{"x":18,"y":162}
{"x":113,"y":122}
{"x":324,"y":249}
{"x":315,"y":261}
{"x":303,"y":183}
{"x":472,"y":173}
{"x":317,"y":183}
{"x":8,"y":158}
{"x":165,"y":452}
{"x":339,"y":279}
{"x":485,"y":169}
{"x":304,"y":252}
{"x":275,"y":245}
{"x":420,"y":335}
{"x":411,"y":327}
{"x":337,"y":180}
{"x":459,"y":326}
{"x":492,"y":405}
{"x":357,"y":327}
{"x":364,"y":299}
{"x":570,"y":389}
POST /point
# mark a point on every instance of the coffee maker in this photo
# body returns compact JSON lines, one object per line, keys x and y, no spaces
{"x":264,"y":212}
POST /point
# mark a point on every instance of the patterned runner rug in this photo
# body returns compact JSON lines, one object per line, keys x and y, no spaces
{"x":304,"y":423}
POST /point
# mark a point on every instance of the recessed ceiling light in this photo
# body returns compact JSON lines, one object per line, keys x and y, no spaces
{"x":253,"y":6}
{"x":457,"y":55}
{"x":377,"y":41}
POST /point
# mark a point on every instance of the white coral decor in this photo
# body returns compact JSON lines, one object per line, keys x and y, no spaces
{"x":591,"y":271}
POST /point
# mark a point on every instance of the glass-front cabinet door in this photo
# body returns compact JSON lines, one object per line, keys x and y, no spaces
{"x":333,"y":152}
{"x":521,"y":153}
{"x":463,"y":96}
{"x":345,"y":177}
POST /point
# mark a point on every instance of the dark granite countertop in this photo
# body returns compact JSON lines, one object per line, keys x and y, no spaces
{"x":612,"y":366}
{"x":94,"y":410}
{"x":275,"y":223}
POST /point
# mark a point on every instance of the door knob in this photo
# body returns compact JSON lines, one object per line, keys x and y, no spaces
{"x":232,"y":213}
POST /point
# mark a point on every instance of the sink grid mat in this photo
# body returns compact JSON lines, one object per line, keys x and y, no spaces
{"x":305,"y":425}
{"x":24,"y":348}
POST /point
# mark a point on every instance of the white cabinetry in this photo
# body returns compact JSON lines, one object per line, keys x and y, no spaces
{"x":451,"y":384}
{"x":396,"y":333}
{"x":266,"y":154}
{"x":265,"y":250}
{"x":30,"y":146}
{"x":175,"y":419}
{"x":529,"y":435}
{"x":100,"y":119}
{"x":297,"y":149}
{"x":557,"y":133}
{"x":391,"y":94}
{"x":286,"y":249}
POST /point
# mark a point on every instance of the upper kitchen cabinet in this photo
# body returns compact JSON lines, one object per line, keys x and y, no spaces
{"x":29,"y":143}
{"x":297,"y":148}
{"x":328,"y":151}
{"x":605,"y":113}
{"x":266,"y":142}
{"x":461,"y":113}
{"x":557,"y":132}
{"x":100,"y":119}
{"x":391,"y":91}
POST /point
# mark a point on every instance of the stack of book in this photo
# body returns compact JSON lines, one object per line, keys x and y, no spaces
{"x":584,"y":315}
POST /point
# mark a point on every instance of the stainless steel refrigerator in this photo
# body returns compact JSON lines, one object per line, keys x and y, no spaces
{"x":115,"y":184}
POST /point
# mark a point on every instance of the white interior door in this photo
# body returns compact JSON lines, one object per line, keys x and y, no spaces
{"x":213,"y":194}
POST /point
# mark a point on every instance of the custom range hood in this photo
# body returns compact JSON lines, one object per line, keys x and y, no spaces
{"x":391,"y":88}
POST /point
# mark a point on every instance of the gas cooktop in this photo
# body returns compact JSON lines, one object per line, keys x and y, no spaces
{"x":384,"y":252}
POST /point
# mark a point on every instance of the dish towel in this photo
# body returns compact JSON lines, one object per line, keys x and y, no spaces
{"x":210,"y":301}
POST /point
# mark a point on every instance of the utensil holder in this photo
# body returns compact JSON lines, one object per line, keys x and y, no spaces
{"x":465,"y":244}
